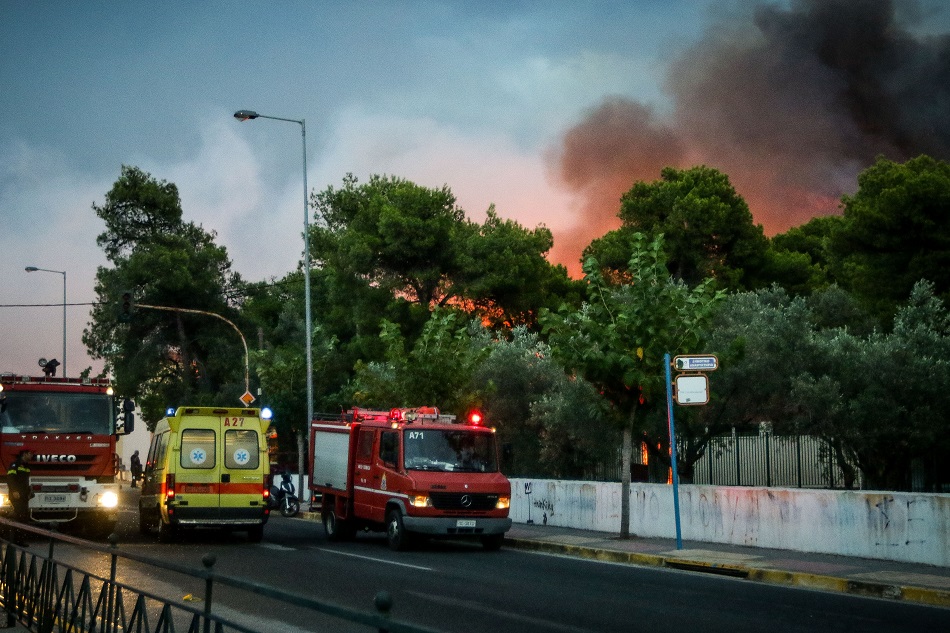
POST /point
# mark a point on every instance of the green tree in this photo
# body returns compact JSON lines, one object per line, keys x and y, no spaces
{"x":397,"y":236}
{"x":435,"y":369}
{"x":504,"y":276}
{"x":708,"y":228}
{"x":896,"y":231}
{"x":411,"y":247}
{"x":801,"y":260}
{"x":164,"y":358}
{"x":548,"y":424}
{"x":879,"y":400}
{"x":619,"y":336}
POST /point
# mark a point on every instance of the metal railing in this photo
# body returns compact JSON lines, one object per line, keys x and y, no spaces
{"x":46,"y":594}
{"x":797,"y":461}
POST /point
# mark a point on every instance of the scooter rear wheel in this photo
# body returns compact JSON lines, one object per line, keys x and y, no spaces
{"x":289,"y":506}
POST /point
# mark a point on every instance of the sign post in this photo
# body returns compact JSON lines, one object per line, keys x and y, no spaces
{"x":676,"y":479}
{"x":691,"y":389}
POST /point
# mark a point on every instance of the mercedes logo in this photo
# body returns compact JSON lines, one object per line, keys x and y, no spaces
{"x":466,"y":501}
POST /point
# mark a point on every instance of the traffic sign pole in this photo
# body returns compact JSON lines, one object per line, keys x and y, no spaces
{"x":676,"y":479}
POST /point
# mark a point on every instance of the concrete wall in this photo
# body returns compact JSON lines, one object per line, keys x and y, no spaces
{"x":909,"y":527}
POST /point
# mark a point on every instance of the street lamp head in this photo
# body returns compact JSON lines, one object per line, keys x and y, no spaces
{"x":31,"y":269}
{"x":244,"y":115}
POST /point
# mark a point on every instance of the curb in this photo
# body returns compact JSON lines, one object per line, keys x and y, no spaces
{"x":920,"y":595}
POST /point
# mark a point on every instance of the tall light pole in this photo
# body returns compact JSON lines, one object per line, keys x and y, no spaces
{"x":33,"y":269}
{"x":244,"y":115}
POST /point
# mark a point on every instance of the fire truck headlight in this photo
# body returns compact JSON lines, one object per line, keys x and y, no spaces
{"x":503,"y":503}
{"x":420,"y":501}
{"x":108,"y":499}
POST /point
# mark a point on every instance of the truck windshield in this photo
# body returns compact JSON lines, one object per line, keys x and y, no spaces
{"x":443,"y":450}
{"x":31,"y":412}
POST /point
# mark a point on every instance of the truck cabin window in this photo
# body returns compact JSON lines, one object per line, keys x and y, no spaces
{"x":389,"y":448}
{"x":449,"y":451}
{"x":79,"y":413}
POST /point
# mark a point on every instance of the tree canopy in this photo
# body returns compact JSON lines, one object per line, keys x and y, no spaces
{"x":896,"y":231}
{"x":164,"y":358}
{"x":708,"y":228}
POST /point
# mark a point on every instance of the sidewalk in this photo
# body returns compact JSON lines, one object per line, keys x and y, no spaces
{"x":925,"y":584}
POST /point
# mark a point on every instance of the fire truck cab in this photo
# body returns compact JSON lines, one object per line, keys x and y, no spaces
{"x":409,"y":472}
{"x":70,"y":425}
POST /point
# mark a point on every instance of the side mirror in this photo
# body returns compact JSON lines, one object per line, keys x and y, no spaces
{"x":128,"y":417}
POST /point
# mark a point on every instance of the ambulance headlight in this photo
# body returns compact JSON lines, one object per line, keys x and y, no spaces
{"x":108,"y":499}
{"x":420,"y":501}
{"x":503,"y":503}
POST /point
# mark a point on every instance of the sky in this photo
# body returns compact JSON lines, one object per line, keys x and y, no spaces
{"x":549,"y":110}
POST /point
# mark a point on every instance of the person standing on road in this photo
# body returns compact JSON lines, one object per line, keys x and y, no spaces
{"x":18,"y":485}
{"x":136,"y":466}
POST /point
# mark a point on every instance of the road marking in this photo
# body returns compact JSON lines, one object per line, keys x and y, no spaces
{"x":275,"y":546}
{"x":478,"y":606}
{"x":375,"y":560}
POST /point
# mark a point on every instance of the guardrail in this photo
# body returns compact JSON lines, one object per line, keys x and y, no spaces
{"x":45,"y":594}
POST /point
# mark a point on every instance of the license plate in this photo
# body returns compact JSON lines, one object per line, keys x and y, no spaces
{"x":465,"y":523}
{"x":54,"y":499}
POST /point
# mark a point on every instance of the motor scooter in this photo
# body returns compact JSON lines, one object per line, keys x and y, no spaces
{"x":284,"y":498}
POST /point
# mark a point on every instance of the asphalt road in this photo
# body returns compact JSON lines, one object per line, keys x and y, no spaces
{"x":460,"y":587}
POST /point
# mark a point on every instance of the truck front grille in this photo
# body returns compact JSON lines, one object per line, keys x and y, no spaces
{"x":463,"y":501}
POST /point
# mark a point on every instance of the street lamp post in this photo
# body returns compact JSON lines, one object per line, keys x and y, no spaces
{"x":244,"y":115}
{"x":33,"y":269}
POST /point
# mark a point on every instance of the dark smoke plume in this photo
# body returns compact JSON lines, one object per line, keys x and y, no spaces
{"x":791,"y":103}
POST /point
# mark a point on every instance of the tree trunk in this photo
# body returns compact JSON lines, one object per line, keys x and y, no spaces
{"x":626,"y":456}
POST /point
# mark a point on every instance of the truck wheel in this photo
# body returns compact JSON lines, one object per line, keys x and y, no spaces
{"x":337,"y":529}
{"x":492,"y":542}
{"x":397,"y":536}
{"x":167,"y":533}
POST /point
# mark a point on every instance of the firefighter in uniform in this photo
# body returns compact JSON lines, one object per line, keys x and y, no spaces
{"x":18,"y":485}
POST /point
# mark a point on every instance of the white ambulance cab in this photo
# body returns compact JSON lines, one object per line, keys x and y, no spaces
{"x":206,"y":467}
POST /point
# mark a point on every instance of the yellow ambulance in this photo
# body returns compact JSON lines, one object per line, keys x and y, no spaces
{"x":206,"y":467}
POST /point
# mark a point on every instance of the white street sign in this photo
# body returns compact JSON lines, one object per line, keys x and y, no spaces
{"x":692,"y":389}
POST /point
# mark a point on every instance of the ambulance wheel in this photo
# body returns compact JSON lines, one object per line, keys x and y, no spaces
{"x":167,"y":533}
{"x":397,"y":536}
{"x":492,"y":542}
{"x":255,"y":533}
{"x":145,"y":522}
{"x":337,"y":529}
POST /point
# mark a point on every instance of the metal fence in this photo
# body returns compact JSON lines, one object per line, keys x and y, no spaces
{"x":748,"y":460}
{"x":799,"y":461}
{"x":45,"y":593}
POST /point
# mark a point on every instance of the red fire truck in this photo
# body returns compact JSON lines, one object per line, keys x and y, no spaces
{"x":70,"y":425}
{"x":409,"y":472}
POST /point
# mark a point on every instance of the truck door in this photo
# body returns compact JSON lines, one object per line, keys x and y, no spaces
{"x":366,"y":477}
{"x":198,"y":479}
{"x":242,"y":477}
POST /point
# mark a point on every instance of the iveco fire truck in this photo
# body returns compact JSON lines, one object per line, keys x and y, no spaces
{"x":70,"y":425}
{"x":409,"y":472}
